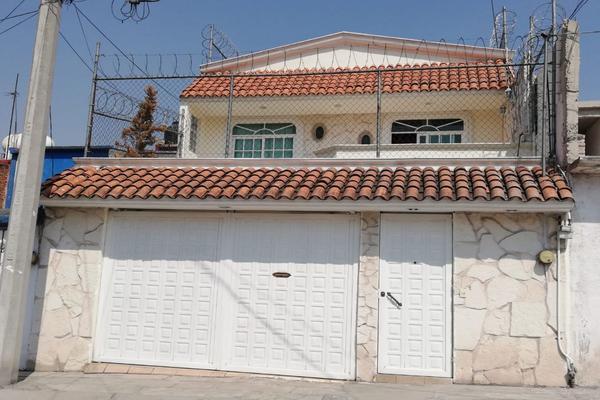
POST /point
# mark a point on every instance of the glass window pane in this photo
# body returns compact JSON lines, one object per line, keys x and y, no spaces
{"x":248,"y":144}
{"x":257,"y":144}
{"x":239,"y":144}
{"x":445,"y":138}
{"x":278,"y":154}
{"x":256,"y":154}
{"x":237,"y":154}
{"x":407,"y":125}
{"x":288,"y":154}
{"x":457,"y":138}
{"x":434,"y":139}
{"x":268,"y":154}
{"x":448,"y":124}
{"x":289,"y":143}
{"x":268,"y":143}
{"x":404,"y":138}
{"x":247,"y":154}
{"x":279,"y":143}
{"x":423,"y":139}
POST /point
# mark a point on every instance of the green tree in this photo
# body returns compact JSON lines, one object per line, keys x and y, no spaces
{"x":138,"y":139}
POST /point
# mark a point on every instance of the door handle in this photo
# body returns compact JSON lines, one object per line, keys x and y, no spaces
{"x":391,"y":298}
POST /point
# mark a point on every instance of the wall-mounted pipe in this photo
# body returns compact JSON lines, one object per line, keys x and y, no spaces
{"x":563,"y":233}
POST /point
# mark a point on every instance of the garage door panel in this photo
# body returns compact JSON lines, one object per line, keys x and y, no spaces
{"x":204,"y":294}
{"x":302,"y":324}
{"x":159,"y":304}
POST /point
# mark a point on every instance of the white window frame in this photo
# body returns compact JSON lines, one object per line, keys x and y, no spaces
{"x":263,"y":138}
{"x":425,"y":137}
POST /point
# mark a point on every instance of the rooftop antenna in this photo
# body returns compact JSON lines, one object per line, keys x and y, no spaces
{"x":135,"y":10}
{"x":13,"y":115}
{"x":216,"y":45}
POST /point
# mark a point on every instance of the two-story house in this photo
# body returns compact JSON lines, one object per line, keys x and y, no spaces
{"x":351,"y":206}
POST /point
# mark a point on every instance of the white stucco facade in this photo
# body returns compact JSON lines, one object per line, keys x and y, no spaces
{"x":584,"y":276}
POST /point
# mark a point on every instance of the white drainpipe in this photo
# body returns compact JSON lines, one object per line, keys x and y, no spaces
{"x":563,"y":233}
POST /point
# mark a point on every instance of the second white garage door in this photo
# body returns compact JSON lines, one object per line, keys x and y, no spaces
{"x":267,"y":293}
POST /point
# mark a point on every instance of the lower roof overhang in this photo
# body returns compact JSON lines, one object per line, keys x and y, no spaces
{"x":413,"y":206}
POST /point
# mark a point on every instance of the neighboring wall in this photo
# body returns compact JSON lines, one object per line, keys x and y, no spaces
{"x":4,"y":174}
{"x":584,"y":275}
{"x":505,"y":301}
{"x":66,"y":290}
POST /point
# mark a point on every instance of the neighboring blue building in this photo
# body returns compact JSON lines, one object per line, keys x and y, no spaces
{"x":56,"y":160}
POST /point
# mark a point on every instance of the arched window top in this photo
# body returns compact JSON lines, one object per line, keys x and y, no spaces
{"x":428,"y":125}
{"x":428,"y":130}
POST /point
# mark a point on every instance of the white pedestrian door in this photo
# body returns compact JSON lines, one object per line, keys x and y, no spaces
{"x":414,"y":295}
{"x":268,"y":293}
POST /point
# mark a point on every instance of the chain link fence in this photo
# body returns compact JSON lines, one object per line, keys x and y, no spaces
{"x":479,"y":110}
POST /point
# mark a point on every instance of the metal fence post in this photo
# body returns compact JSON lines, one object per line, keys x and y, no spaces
{"x":229,"y":111}
{"x":378,"y":126}
{"x":544,"y":94}
{"x":90,"y":124}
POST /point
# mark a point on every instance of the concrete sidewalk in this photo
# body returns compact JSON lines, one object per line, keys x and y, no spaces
{"x":46,"y":386}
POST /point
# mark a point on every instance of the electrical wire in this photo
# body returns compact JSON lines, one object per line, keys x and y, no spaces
{"x":87,"y":43}
{"x":64,"y":38}
{"x":18,"y":15}
{"x":123,"y":53}
{"x":578,"y":8}
{"x":19,"y":23}
{"x":12,"y":11}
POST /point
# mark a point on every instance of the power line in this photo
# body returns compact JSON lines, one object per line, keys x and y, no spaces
{"x":12,"y":11}
{"x":87,"y":44}
{"x":18,"y":15}
{"x":578,"y":8}
{"x":122,"y":52}
{"x":19,"y":23}
{"x":75,"y":51}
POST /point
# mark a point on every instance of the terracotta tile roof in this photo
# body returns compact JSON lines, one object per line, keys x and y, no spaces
{"x":398,"y":79}
{"x":399,"y":183}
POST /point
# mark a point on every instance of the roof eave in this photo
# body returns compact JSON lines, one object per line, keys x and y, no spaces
{"x":413,"y":206}
{"x":305,"y":162}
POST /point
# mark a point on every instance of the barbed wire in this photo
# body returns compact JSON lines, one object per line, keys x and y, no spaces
{"x":118,"y":104}
{"x":188,"y":64}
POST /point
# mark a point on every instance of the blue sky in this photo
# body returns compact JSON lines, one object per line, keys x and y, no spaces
{"x":175,"y":26}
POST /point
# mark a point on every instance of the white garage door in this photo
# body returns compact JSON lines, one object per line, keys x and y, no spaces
{"x":269,"y":293}
{"x":414,"y":302}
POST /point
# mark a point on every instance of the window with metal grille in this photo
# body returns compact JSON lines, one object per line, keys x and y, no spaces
{"x":440,"y":130}
{"x":264,"y":140}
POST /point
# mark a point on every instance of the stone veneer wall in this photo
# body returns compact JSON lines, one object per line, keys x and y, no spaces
{"x":505,"y":301}
{"x":368,"y":284}
{"x":67,"y":290}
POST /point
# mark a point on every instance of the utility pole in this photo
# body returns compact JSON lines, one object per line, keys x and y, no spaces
{"x":14,"y":276}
